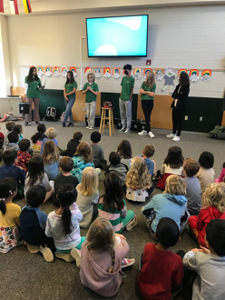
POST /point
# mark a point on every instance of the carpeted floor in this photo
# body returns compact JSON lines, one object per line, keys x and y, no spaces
{"x":27,"y":276}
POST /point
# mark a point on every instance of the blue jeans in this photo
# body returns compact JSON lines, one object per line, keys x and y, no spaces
{"x":69,"y":104}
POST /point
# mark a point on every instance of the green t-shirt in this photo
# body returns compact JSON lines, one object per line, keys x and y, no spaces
{"x":90,"y":97}
{"x":33,"y":88}
{"x":147,"y":88}
{"x":69,"y":87}
{"x":127,"y":84}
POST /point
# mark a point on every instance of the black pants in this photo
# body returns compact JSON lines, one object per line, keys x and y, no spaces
{"x":147,"y":106}
{"x":177,"y":117}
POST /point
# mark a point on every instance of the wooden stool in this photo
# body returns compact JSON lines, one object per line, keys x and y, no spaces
{"x":109,"y":118}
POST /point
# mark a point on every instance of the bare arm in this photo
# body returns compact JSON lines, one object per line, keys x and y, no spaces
{"x":93,"y":92}
{"x":73,"y":91}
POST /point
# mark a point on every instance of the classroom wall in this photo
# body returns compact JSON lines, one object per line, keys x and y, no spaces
{"x":181,"y":37}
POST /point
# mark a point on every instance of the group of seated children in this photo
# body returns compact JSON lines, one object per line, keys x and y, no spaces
{"x":70,"y":178}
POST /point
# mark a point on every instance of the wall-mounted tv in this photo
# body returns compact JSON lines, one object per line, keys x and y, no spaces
{"x":122,"y":36}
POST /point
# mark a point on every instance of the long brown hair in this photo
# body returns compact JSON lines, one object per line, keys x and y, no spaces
{"x":50,"y":153}
{"x":85,"y":151}
{"x":150,"y":79}
{"x":184,"y":79}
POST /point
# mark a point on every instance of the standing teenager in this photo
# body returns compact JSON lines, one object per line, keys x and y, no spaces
{"x":125,"y":101}
{"x":180,"y":96}
{"x":32,"y":94}
{"x":91,"y":90}
{"x":147,"y":92}
{"x":69,"y":96}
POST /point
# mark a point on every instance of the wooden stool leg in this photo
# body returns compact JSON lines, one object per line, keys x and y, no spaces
{"x":110,"y":125}
{"x":103,"y":120}
{"x":112,"y":122}
{"x":100,"y":129}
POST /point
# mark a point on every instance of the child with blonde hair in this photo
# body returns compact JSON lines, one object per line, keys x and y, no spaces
{"x":172,"y":204}
{"x":102,"y":257}
{"x":213,"y":207}
{"x":138,"y":180}
{"x":51,"y":160}
{"x":87,"y":196}
{"x":51,"y":134}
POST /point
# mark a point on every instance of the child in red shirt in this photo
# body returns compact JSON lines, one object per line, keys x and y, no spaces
{"x":161,"y":269}
{"x":22,"y":155}
{"x":213,"y":201}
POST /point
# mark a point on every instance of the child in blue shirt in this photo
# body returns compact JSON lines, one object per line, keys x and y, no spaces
{"x":148,"y":152}
{"x":18,"y":128}
{"x":51,"y":134}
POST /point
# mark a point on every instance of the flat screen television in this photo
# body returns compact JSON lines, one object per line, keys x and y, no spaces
{"x":123,"y":36}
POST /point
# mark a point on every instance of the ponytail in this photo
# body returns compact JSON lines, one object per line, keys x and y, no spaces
{"x":2,"y":206}
{"x":36,"y":137}
{"x":7,"y":187}
{"x":66,"y":220}
{"x":113,"y":255}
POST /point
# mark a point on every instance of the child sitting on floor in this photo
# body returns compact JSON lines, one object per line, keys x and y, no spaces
{"x":51,"y":134}
{"x":148,"y":152}
{"x":38,"y":137}
{"x":65,"y":167}
{"x":9,"y":216}
{"x":63,"y":224}
{"x":12,"y":143}
{"x":193,"y":188}
{"x":213,"y":206}
{"x":98,"y":152}
{"x":9,"y":126}
{"x":172,"y":204}
{"x":173,"y":165}
{"x":33,"y":223}
{"x":101,"y":258}
{"x":125,"y":152}
{"x":152,"y":282}
{"x":87,"y":196}
{"x":72,"y":144}
{"x":222,"y":175}
{"x":51,"y":160}
{"x":22,"y":155}
{"x":37,"y":176}
{"x":117,"y":167}
{"x":206,"y":174}
{"x":138,"y":180}
{"x":209,"y":264}
{"x":18,"y":128}
{"x":113,"y":207}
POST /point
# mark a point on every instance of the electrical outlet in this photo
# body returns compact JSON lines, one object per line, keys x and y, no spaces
{"x":186,"y":118}
{"x":201,"y":119}
{"x":84,"y":109}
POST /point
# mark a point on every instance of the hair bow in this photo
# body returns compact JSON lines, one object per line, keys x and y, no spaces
{"x":2,"y":199}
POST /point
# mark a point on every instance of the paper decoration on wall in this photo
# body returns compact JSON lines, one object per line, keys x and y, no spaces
{"x":116,"y":73}
{"x":194,"y":75}
{"x":40,"y":71}
{"x":14,"y":7}
{"x":56,"y":71}
{"x":87,"y":70}
{"x":159,"y":74}
{"x":74,"y":70}
{"x":124,"y":73}
{"x":2,"y":6}
{"x":107,"y":72}
{"x":137,"y":73}
{"x":169,"y":76}
{"x":27,"y":6}
{"x":97,"y":73}
{"x":146,"y":71}
{"x":206,"y":75}
{"x":48,"y":71}
{"x":32,"y":67}
{"x":181,"y":71}
{"x":64,"y":71}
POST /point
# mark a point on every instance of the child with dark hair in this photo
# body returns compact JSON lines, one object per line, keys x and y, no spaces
{"x":209,"y":264}
{"x":9,"y":126}
{"x":9,"y":169}
{"x":117,"y":167}
{"x":63,"y":224}
{"x":148,"y":152}
{"x":12,"y":143}
{"x":193,"y":188}
{"x":65,"y":167}
{"x":113,"y":207}
{"x":206,"y":174}
{"x":22,"y":155}
{"x":151,"y":281}
{"x":38,"y":137}
{"x":9,"y":216}
{"x":172,"y":165}
{"x":125,"y":152}
{"x":72,"y":144}
{"x":98,"y":152}
{"x":33,"y":223}
{"x":18,"y":128}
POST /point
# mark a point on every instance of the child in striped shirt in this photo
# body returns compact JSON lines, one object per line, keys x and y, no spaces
{"x":112,"y":206}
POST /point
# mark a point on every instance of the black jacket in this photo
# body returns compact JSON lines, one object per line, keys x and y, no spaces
{"x":72,"y":147}
{"x":182,"y":96}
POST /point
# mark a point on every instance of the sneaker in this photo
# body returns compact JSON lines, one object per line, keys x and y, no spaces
{"x":131,"y":224}
{"x":143,"y":132}
{"x":127,"y":131}
{"x":127,"y":262}
{"x":122,"y":130}
{"x":87,"y":127}
{"x":91,"y":128}
{"x":26,"y":123}
{"x":37,"y":122}
{"x":63,"y":124}
{"x":176,"y":139}
{"x":151,"y":135}
{"x":47,"y":253}
{"x":32,"y":249}
{"x":65,"y":256}
{"x":76,"y":254}
{"x":171,"y":135}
